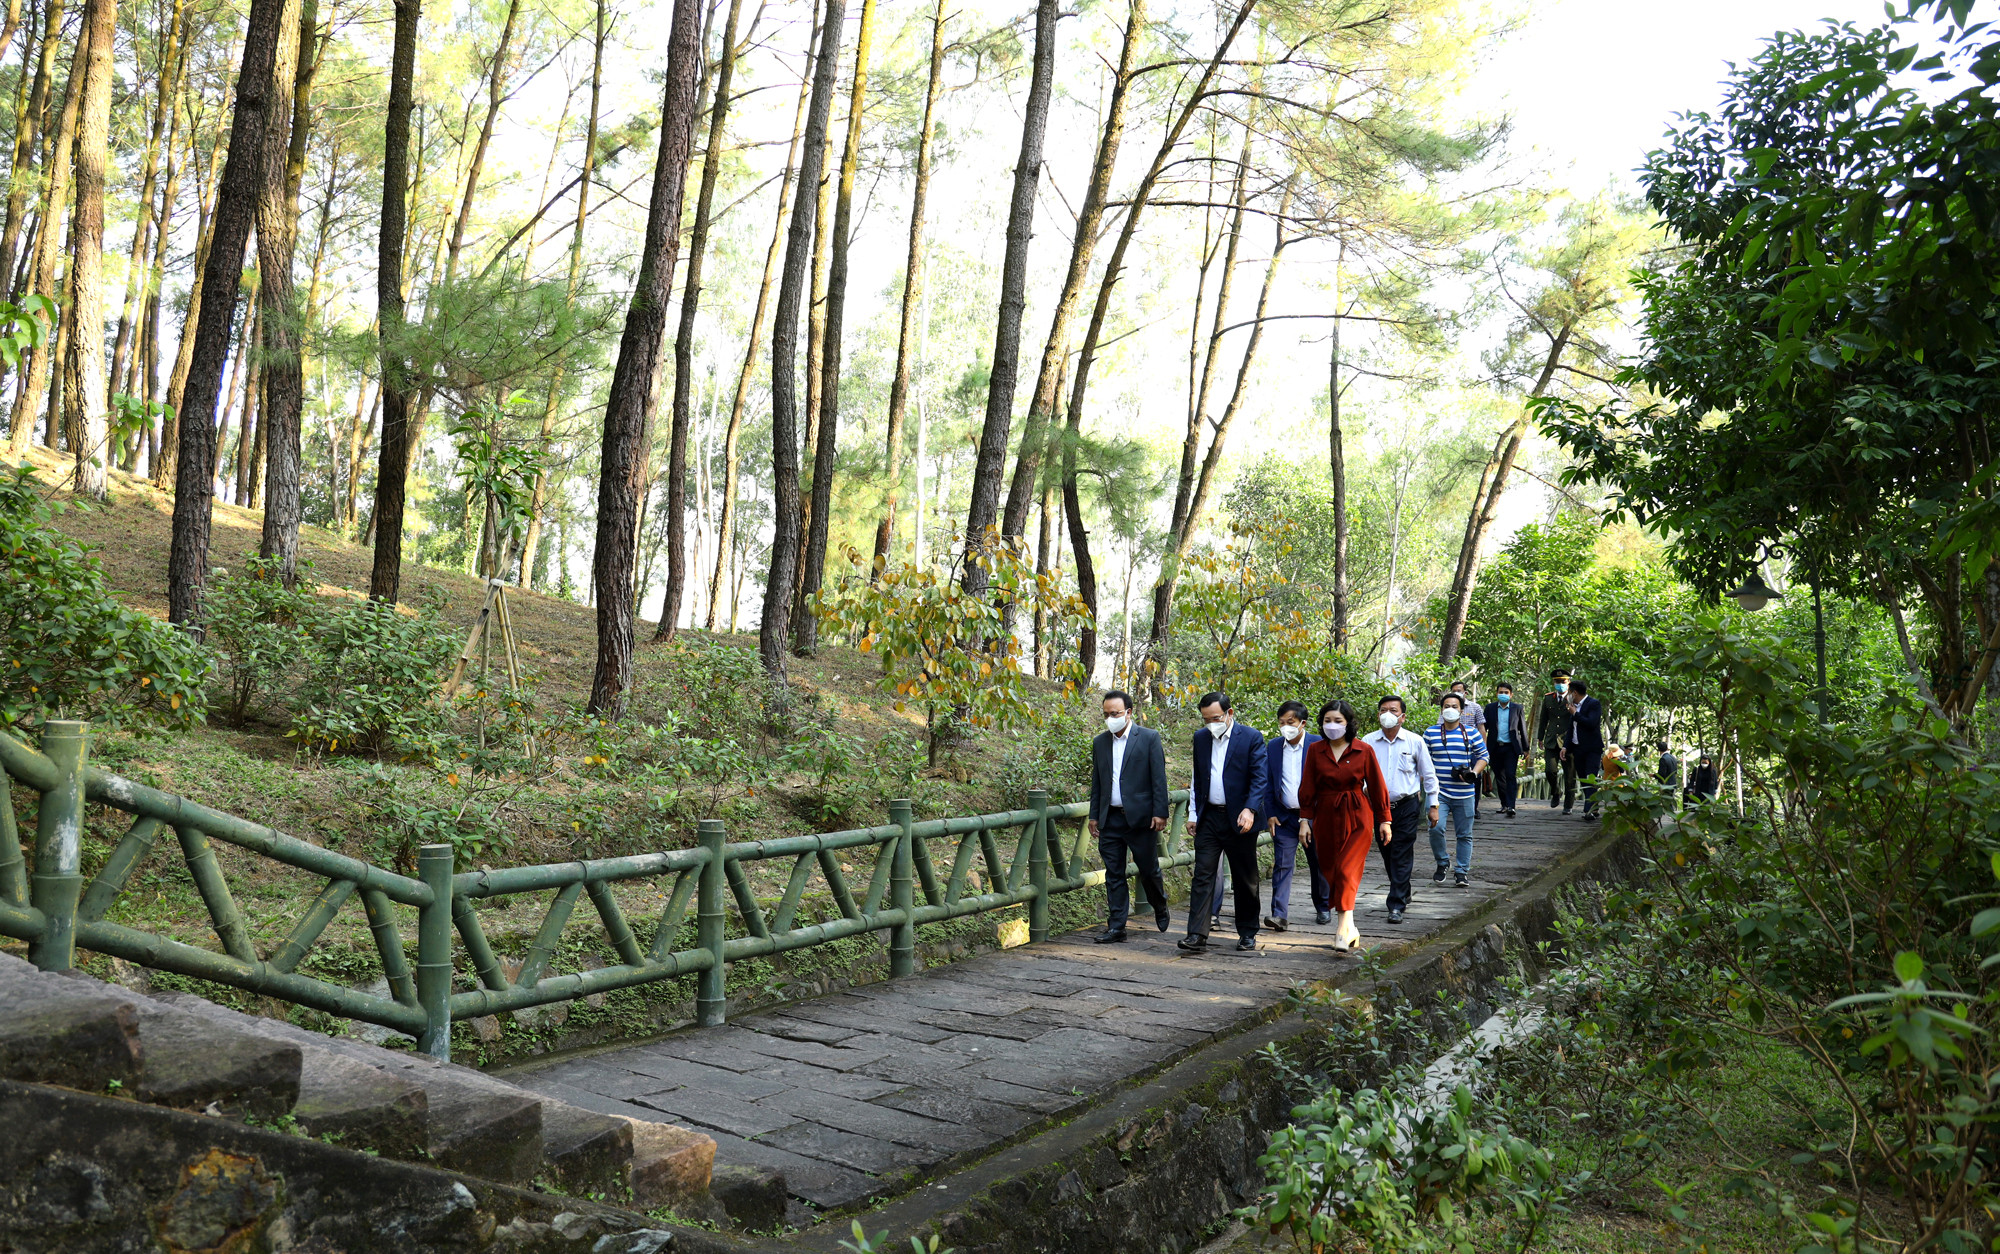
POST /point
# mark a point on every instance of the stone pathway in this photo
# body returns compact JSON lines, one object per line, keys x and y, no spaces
{"x":853,"y":1095}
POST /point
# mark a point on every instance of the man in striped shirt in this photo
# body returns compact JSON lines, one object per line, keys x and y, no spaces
{"x":1459,"y":752}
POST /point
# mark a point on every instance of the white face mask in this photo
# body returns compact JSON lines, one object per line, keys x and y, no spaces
{"x":1390,"y":719}
{"x":1290,"y":731}
{"x":1219,"y":730}
{"x":1449,"y":714}
{"x":1114,"y":723}
{"x":1334,"y":731}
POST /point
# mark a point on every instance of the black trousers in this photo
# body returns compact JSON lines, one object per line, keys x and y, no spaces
{"x":1505,"y":761}
{"x":1588,"y":767}
{"x":1216,"y":838}
{"x":1406,"y":820}
{"x":1116,"y":837}
{"x":1556,"y":768}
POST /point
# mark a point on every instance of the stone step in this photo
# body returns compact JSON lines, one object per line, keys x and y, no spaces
{"x":52,"y":1033}
{"x":350,"y":1103}
{"x":182,"y":1060}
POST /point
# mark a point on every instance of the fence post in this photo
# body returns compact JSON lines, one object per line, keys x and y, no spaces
{"x":57,"y":883}
{"x":710,"y":999}
{"x":903,"y":894}
{"x":1038,"y":867}
{"x":434,"y":867}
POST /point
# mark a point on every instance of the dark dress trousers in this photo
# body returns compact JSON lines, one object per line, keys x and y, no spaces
{"x":1587,"y":747}
{"x":1506,"y":758}
{"x":1128,"y":828}
{"x":1552,"y":729}
{"x":1245,"y":779}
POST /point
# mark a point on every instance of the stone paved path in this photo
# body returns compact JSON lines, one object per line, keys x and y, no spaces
{"x":853,"y":1093}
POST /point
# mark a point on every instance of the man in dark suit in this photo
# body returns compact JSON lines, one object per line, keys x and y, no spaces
{"x":1230,"y":777}
{"x":1506,"y":745}
{"x":1586,"y":742}
{"x":1284,"y":767}
{"x":1128,"y":811}
{"x":1552,"y":729}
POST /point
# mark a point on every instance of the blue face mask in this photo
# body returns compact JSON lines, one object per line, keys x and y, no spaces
{"x":1505,"y":698}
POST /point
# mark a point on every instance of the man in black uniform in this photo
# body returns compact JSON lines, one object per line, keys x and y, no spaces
{"x":1552,"y":729}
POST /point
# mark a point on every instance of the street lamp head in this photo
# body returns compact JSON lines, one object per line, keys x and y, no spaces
{"x":1755,"y":594}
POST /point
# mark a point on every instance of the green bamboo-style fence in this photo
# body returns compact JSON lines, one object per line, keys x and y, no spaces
{"x":1025,"y":857}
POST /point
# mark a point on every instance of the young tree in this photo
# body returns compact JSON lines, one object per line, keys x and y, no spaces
{"x":984,"y":508}
{"x":782,"y":574}
{"x":805,"y":637}
{"x":683,"y":411}
{"x":628,"y":410}
{"x":235,"y":206}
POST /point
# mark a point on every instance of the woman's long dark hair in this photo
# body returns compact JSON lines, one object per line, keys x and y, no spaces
{"x":1345,"y":711}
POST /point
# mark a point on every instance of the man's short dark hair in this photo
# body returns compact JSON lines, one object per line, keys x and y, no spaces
{"x":1456,"y":684}
{"x":1387,"y":698}
{"x":1121,"y":695}
{"x":1663,"y":746}
{"x":1295,"y":708}
{"x":1452,"y":696}
{"x":1577,"y":685}
{"x":1214,"y":698}
{"x":1504,"y":686}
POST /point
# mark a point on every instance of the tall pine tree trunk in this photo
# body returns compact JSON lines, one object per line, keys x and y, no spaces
{"x":172,"y":63}
{"x":725,"y":526}
{"x":913,"y":291}
{"x":83,"y":372}
{"x":385,"y":579}
{"x":28,"y":116}
{"x":235,"y":206}
{"x":538,"y":501}
{"x":1337,"y":471}
{"x":628,"y":409}
{"x":982,"y":512}
{"x":29,"y":398}
{"x":1047,"y":397}
{"x":783,"y":572}
{"x":283,"y":369}
{"x":711,"y":169}
{"x":805,"y":634}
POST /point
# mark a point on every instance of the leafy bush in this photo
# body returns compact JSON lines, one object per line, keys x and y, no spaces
{"x":260,"y":632}
{"x":71,"y":649}
{"x":372,"y":681}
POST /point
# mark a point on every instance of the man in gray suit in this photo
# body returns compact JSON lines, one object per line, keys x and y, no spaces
{"x":1128,"y":811}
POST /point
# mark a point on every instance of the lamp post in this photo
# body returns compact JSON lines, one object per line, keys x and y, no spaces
{"x":1754,"y":594}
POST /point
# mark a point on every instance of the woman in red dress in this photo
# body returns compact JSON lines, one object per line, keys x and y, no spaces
{"x":1342,"y":802}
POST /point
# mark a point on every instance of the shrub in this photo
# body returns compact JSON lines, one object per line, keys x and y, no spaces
{"x":71,"y":649}
{"x":372,"y":681}
{"x":259,"y":632}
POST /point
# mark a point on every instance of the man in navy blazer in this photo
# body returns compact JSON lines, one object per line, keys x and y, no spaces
{"x":1586,"y":741}
{"x":1285,"y":761}
{"x":1230,"y":780}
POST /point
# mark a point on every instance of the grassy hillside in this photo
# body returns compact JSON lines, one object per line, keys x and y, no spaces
{"x":696,"y":744}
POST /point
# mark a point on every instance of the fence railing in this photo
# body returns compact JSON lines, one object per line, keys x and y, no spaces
{"x":995,"y":861}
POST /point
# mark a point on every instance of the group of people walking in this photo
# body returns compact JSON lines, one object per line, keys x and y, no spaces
{"x":1327,"y":787}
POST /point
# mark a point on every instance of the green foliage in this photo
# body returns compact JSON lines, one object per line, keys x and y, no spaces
{"x":24,"y":326}
{"x":372,"y":681}
{"x":865,"y":1244}
{"x":950,"y":651}
{"x":260,"y":633}
{"x":70,"y":649}
{"x":500,"y":474}
{"x":1244,"y":625}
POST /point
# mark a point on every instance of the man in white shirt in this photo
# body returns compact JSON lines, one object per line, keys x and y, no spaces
{"x":1128,"y":811}
{"x":1229,"y":784}
{"x":1413,"y":784}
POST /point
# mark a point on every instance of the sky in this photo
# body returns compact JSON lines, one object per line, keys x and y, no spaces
{"x":1592,"y":85}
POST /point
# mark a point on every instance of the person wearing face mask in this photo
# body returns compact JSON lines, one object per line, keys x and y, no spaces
{"x":1704,"y":782}
{"x":1128,"y":811}
{"x":1586,"y":743}
{"x":1412,"y":782}
{"x":1552,"y":729}
{"x":1345,"y":803}
{"x":1507,"y":743}
{"x":1287,"y":753}
{"x":1229,"y":784}
{"x":1460,"y":755}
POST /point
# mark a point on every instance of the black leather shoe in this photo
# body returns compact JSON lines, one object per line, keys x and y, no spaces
{"x":1248,"y":942}
{"x":1439,"y":877}
{"x":1395,"y":916}
{"x":1552,"y":803}
{"x":1276,"y":924}
{"x":1164,"y":919}
{"x":1193,"y":944}
{"x":1108,"y":937}
{"x":1323,"y":918}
